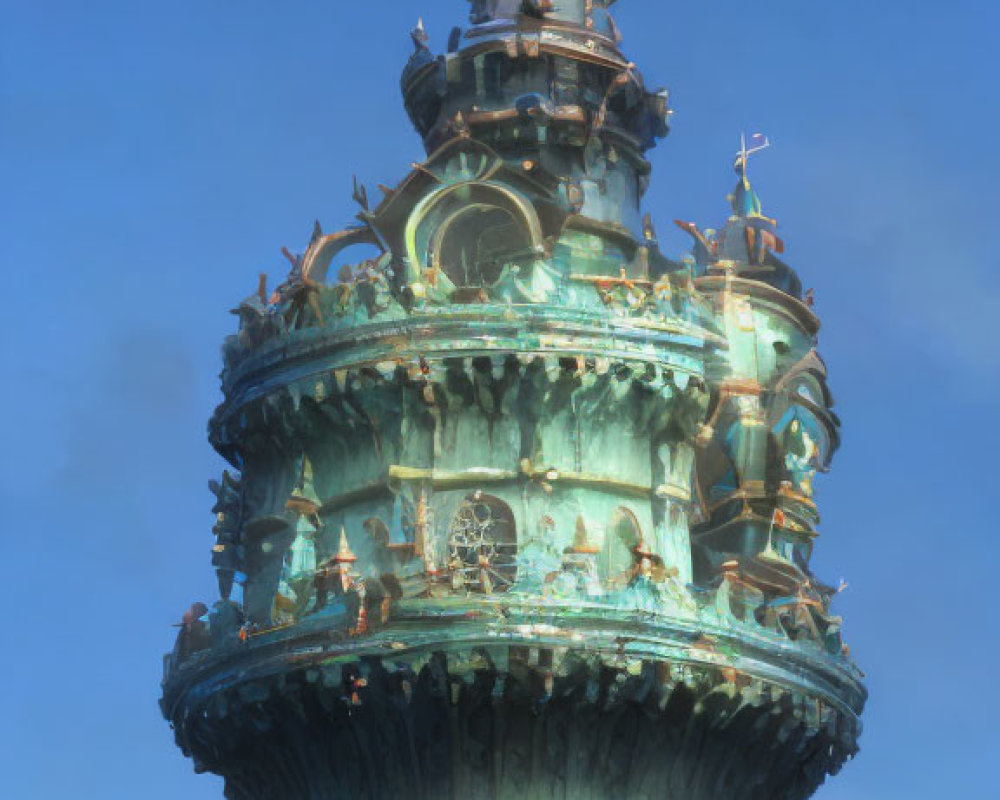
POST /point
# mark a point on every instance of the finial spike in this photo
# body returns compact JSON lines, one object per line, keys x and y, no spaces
{"x":757,"y":142}
{"x":344,"y":553}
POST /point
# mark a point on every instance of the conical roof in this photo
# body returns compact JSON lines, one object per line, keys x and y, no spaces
{"x":344,"y":553}
{"x":581,"y":542}
{"x":304,"y":499}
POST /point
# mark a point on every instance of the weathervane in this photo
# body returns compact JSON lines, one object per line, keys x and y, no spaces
{"x":758,"y":142}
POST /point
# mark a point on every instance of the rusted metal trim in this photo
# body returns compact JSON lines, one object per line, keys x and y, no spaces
{"x":798,"y":310}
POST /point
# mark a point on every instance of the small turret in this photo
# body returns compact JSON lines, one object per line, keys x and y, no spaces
{"x":748,"y":243}
{"x":344,"y":553}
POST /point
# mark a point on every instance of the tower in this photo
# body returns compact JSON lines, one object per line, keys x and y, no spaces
{"x":553,"y":488}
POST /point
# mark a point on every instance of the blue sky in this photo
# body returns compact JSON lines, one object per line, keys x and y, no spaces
{"x":155,"y":157}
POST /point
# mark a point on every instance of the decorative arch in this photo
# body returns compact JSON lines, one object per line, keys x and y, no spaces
{"x":319,"y":256}
{"x":811,"y":370}
{"x":482,"y":545}
{"x":469,"y":230}
{"x":803,"y":392}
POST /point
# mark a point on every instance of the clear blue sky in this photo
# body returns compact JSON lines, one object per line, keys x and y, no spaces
{"x":155,"y":156}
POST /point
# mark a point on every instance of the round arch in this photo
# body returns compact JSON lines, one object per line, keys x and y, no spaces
{"x":469,"y":230}
{"x":319,"y":256}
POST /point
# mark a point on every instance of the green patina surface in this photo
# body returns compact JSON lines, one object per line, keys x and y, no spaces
{"x":515,"y":432}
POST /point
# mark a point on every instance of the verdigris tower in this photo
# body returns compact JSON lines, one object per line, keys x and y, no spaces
{"x":521,"y":508}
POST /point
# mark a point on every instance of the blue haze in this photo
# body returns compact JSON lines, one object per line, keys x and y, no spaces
{"x":155,"y":156}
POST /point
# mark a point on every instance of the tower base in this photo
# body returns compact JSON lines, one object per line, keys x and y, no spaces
{"x":589,"y":727}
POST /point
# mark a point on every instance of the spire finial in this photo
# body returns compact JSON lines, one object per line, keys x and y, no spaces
{"x":344,"y":554}
{"x":744,"y":200}
{"x":419,"y":35}
{"x":758,"y":142}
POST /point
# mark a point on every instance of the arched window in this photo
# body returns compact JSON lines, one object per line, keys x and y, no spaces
{"x":466,"y":233}
{"x":620,"y":540}
{"x":477,"y":241}
{"x":482,"y":545}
